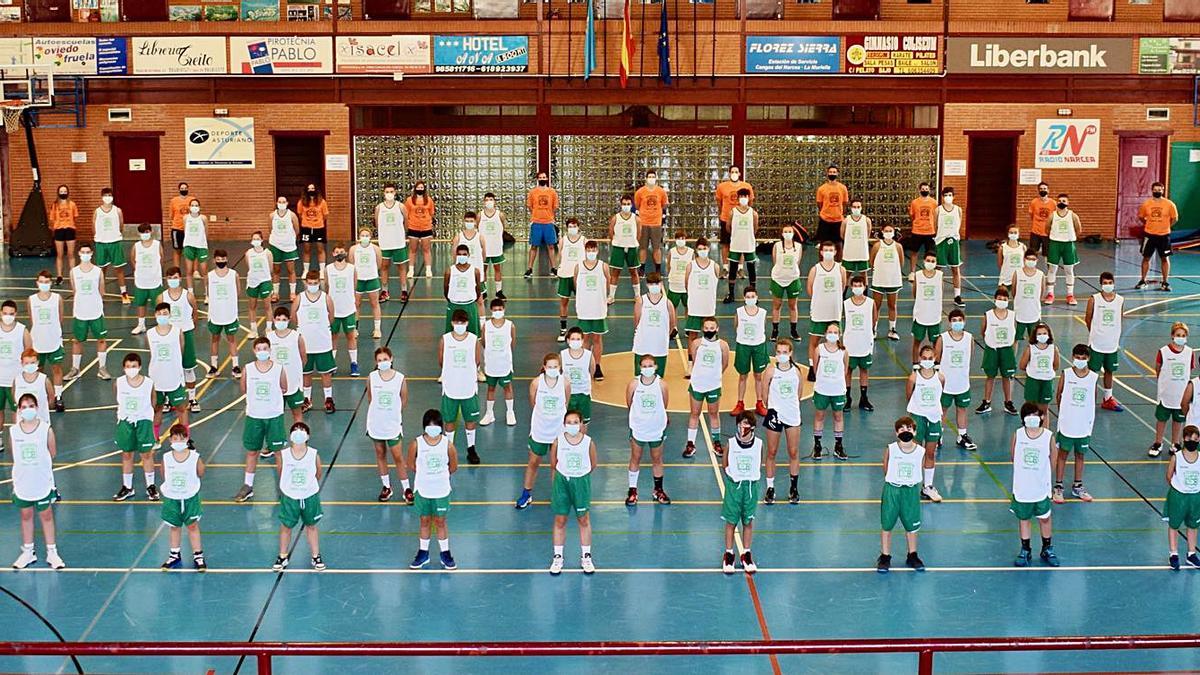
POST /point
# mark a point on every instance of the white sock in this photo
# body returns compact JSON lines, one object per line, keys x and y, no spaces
{"x":328,"y":391}
{"x":236,"y":361}
{"x":962,"y":431}
{"x":957,"y":291}
{"x":191,"y":391}
{"x":491,"y":407}
{"x":1107,"y":392}
{"x":321,"y":268}
{"x":149,"y":478}
{"x":1051,"y":276}
{"x":248,"y":478}
{"x":307,"y":393}
{"x":558,"y":551}
{"x":585,"y":550}
{"x":123,"y":291}
{"x":423,"y":544}
{"x":333,"y":353}
{"x":692,"y":435}
{"x":189,"y":376}
{"x":770,"y":481}
{"x":102,"y":357}
{"x":305,"y":272}
{"x":444,"y":545}
{"x":928,"y":477}
{"x":891,"y":324}
{"x":1070,"y":279}
{"x":76,"y":360}
{"x":508,"y":403}
{"x":141,"y":322}
{"x":386,"y":479}
{"x":212,"y":360}
{"x":28,"y":547}
{"x":379,"y":324}
{"x":470,"y":437}
{"x":612,"y":291}
{"x":58,"y":390}
{"x":127,"y":481}
{"x":404,"y":485}
{"x":633,"y":478}
{"x":499,"y":286}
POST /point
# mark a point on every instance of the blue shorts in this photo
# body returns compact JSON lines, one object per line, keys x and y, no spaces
{"x":542,"y":234}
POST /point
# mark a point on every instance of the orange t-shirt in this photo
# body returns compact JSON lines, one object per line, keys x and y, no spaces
{"x":920,"y":212}
{"x":650,"y":202}
{"x":420,"y":215}
{"x":542,"y":202}
{"x":1158,"y":214}
{"x":313,"y":215}
{"x":832,"y":198}
{"x":727,"y":197}
{"x":179,"y":208}
{"x":1039,"y":215}
{"x":63,"y":215}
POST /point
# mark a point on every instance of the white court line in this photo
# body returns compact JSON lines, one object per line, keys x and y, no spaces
{"x":1193,"y":296}
{"x":645,"y":570}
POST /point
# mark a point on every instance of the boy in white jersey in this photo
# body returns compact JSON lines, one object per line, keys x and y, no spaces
{"x":300,"y":471}
{"x":591,"y":308}
{"x":432,"y":459}
{"x":1032,"y":448}
{"x":952,"y":352}
{"x":827,"y":281}
{"x":368,"y":267}
{"x":927,"y":305}
{"x":549,"y":392}
{"x":679,"y":259}
{"x":341,"y":280}
{"x":653,"y":325}
{"x":285,"y":231}
{"x":87,"y":310}
{"x":1010,"y":255}
{"x":393,"y":241}
{"x":949,"y":231}
{"x":1065,"y":229}
{"x":1076,"y":399}
{"x":624,"y":231}
{"x":492,"y":224}
{"x":147,"y":257}
{"x":741,"y":467}
{"x":471,"y":237}
{"x":573,"y":248}
{"x":924,"y":393}
{"x":14,"y":340}
{"x":387,"y":395}
{"x":700,"y":290}
{"x":999,"y":355}
{"x":646,"y":398}
{"x":861,"y":316}
{"x":184,"y":314}
{"x":289,"y":350}
{"x":462,"y":287}
{"x":134,"y":394}
{"x":459,"y":356}
{"x":108,"y":224}
{"x":1173,"y":368}
{"x":783,"y":387}
{"x":263,"y":384}
{"x":1039,"y":362}
{"x":182,"y":471}
{"x":572,"y":456}
{"x":743,"y":239}
{"x":887,"y":274}
{"x":45,"y":327}
{"x":856,"y":236}
{"x":259,"y":287}
{"x":34,"y":448}
{"x":709,"y":359}
{"x":1183,"y":497}
{"x":222,"y":299}
{"x":195,"y":243}
{"x":901,"y":498}
{"x":577,"y":364}
{"x":1103,"y":320}
{"x":499,"y":336}
{"x":166,"y":367}
{"x":1027,"y":284}
{"x":750,"y":350}
{"x":785,"y":279}
{"x":831,"y":369}
{"x":314,"y":312}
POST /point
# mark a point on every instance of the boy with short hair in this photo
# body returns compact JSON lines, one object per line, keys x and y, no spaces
{"x":259,"y":287}
{"x":263,"y":384}
{"x":314,"y":312}
{"x":135,"y":426}
{"x":432,"y":459}
{"x":591,"y":307}
{"x":184,"y":315}
{"x":87,"y":310}
{"x":709,"y":359}
{"x":887,"y":274}
{"x":299,"y":468}
{"x":679,"y":259}
{"x":285,"y":232}
{"x":222,"y":298}
{"x":166,"y":367}
{"x":1183,"y":497}
{"x":549,"y":392}
{"x":999,"y":356}
{"x":1076,"y":399}
{"x":182,"y":471}
{"x":952,"y":352}
{"x":1173,"y":366}
{"x":1032,"y":447}
{"x":1010,"y":256}
{"x":492,"y":224}
{"x":288,"y":350}
{"x":949,"y":231}
{"x":147,"y":257}
{"x":1103,"y":320}
{"x":1028,"y":283}
{"x":45,"y":327}
{"x":393,"y":240}
{"x":499,"y":337}
{"x":927,"y":305}
{"x":743,"y":240}
{"x":741,"y":471}
{"x":827,"y":281}
{"x":924,"y":392}
{"x":577,"y":364}
{"x":750,"y":350}
{"x":459,"y":357}
{"x":700,"y":289}
{"x":572,"y":254}
{"x":856,"y":236}
{"x":1065,"y":229}
{"x":646,"y":398}
{"x":901,"y":498}
{"x":108,"y":223}
{"x":341,"y":280}
{"x":624,"y":230}
{"x":861,"y":316}
{"x":462,"y":286}
{"x":572,"y":456}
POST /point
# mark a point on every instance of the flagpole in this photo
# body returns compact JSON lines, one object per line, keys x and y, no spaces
{"x":676,"y":37}
{"x":713,"y":72}
{"x":642,"y":60}
{"x":570,"y":34}
{"x":605,"y":43}
{"x":549,"y":74}
{"x":695,"y":40}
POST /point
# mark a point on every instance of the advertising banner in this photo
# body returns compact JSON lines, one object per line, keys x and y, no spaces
{"x":191,"y":55}
{"x":219,"y":142}
{"x":112,"y":56}
{"x":1039,"y":55}
{"x":383,"y":54}
{"x":892,"y":55}
{"x":481,"y":54}
{"x":1168,"y":56}
{"x":783,"y":54}
{"x":301,"y":55}
{"x":66,"y":55}
{"x":1067,"y":144}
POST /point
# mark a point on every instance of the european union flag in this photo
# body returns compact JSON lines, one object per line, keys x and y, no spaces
{"x":664,"y":47}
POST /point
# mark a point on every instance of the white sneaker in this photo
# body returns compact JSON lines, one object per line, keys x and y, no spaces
{"x":556,"y":565}
{"x":53,"y":559}
{"x":138,"y":330}
{"x":487,"y":419}
{"x":510,"y":418}
{"x":428,"y":271}
{"x":411,"y":273}
{"x":586,"y":564}
{"x":71,"y":374}
{"x":932,"y":493}
{"x":27,"y":558}
{"x":377,"y":334}
{"x":103,"y":374}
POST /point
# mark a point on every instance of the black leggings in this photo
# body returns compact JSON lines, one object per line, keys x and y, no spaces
{"x":751,"y":271}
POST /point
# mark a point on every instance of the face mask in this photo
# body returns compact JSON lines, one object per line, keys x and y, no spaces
{"x":857,"y":290}
{"x":1191,"y":446}
{"x":281,"y":324}
{"x":948,"y":199}
{"x":1013,"y":236}
{"x":924,"y":193}
{"x":179,"y":446}
{"x":1001,"y":304}
{"x":364,"y":241}
{"x":1108,"y":288}
{"x":311,"y":193}
{"x":735,"y":176}
{"x":1043,"y":193}
{"x":106,"y":199}
{"x":63,"y":195}
{"x":43,"y":287}
{"x":889,"y":235}
{"x":161,"y":319}
{"x":930,"y":266}
{"x":957,"y":325}
{"x":832,"y":176}
{"x":183,"y":192}
{"x":29,"y":368}
{"x":681,"y":243}
{"x":262,"y":356}
{"x":85,"y":257}
{"x":173,"y":283}
{"x":433,"y":430}
{"x":195,"y":210}
{"x":654,"y":289}
{"x":1033,"y":422}
{"x":571,"y":429}
{"x":751,"y":302}
{"x":626,"y":208}
{"x":927,"y":364}
{"x":651,"y":181}
{"x":744,"y":201}
{"x":905,"y":436}
{"x":8,"y":319}
{"x":1062,"y":205}
{"x":1157,"y":194}
{"x":552,"y":372}
{"x":339,"y":257}
{"x":1031,"y":264}
{"x":132,"y":372}
{"x":221,"y":264}
{"x":459,"y":328}
{"x":28,"y":414}
{"x":855,"y":211}
{"x":543,"y":182}
{"x":145,"y":236}
{"x":468,"y":225}
{"x":1179,"y":340}
{"x":648,"y":371}
{"x":256,"y":243}
{"x":591,"y":255}
{"x":703,"y":253}
{"x":573,"y":231}
{"x":1042,"y":338}
{"x":497,"y":314}
{"x":1079,"y":363}
{"x":313,"y":288}
{"x":783,"y":359}
{"x":787,"y":235}
{"x":389,"y":196}
{"x":489,"y":204}
{"x":281,"y":207}
{"x":384,"y":365}
{"x":710,"y":335}
{"x":462,"y":259}
{"x":831,"y":338}
{"x":298,"y":436}
{"x":827,"y":256}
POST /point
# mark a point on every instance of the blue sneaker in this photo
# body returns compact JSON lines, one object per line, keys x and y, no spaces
{"x":1173,"y":561}
{"x":1193,"y":559}
{"x":448,"y":561}
{"x":353,"y":370}
{"x":1023,"y":558}
{"x":420,"y":560}
{"x":1049,"y":557}
{"x":525,"y":499}
{"x":173,"y":562}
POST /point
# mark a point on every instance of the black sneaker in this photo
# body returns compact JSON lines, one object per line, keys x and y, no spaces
{"x":123,"y":494}
{"x":528,"y":274}
{"x":958,"y":301}
{"x":812,"y":373}
{"x":472,"y":456}
{"x":914,"y":561}
{"x":553,"y":271}
{"x":769,"y":497}
{"x":281,"y":563}
{"x":501,"y":296}
{"x":818,"y":451}
{"x":793,"y":496}
{"x":59,"y":406}
{"x":409,"y":497}
{"x":661,"y":496}
{"x":1165,"y":287}
{"x":199,"y":563}
{"x":865,"y":404}
{"x":795,"y":334}
{"x":152,"y":493}
{"x":58,"y":281}
{"x":599,"y":374}
{"x":839,"y":453}
{"x":385,"y":494}
{"x":774,"y":334}
{"x":984,"y":407}
{"x":674,"y":334}
{"x":1140,"y":285}
{"x":1173,"y":561}
{"x":1009,"y":408}
{"x":562,"y":334}
{"x":173,"y":562}
{"x":194,"y":406}
{"x":849,"y":403}
{"x":318,"y":563}
{"x":689,"y":450}
{"x":631,"y":498}
{"x":883,"y":563}
{"x":727,"y":300}
{"x":967,"y":443}
{"x":235,"y":372}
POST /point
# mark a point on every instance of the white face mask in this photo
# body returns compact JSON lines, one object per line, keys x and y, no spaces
{"x":648,"y":371}
{"x":264,"y":355}
{"x":364,"y":241}
{"x":462,"y":259}
{"x":571,"y":429}
{"x":1013,"y":236}
{"x":281,"y":324}
{"x":1001,"y":304}
{"x":752,"y":302}
{"x":468,"y":225}
{"x":573,"y":231}
{"x":1179,"y":340}
{"x":681,"y":243}
{"x":106,"y":200}
{"x":857,"y":290}
{"x":497,"y":314}
{"x":8,"y":319}
{"x":651,"y":181}
{"x":85,"y":257}
{"x":927,"y":364}
{"x":44,"y":286}
{"x":281,"y":207}
{"x":654,"y":289}
{"x":831,"y":338}
{"x":930,"y":266}
{"x":144,"y":236}
{"x":889,"y":235}
{"x":1031,"y":264}
{"x":389,"y":196}
{"x":29,"y":368}
{"x":433,"y":430}
{"x":783,"y":359}
{"x":788,"y":234}
{"x":552,"y":371}
{"x":132,"y":372}
{"x":313,"y":288}
{"x":179,"y":446}
{"x":743,"y":201}
{"x":703,"y":253}
{"x":1079,"y":363}
{"x":173,"y":283}
{"x":459,"y":328}
{"x":195,"y":210}
{"x":489,"y":204}
{"x":384,"y":365}
{"x":256,"y":243}
{"x":957,"y":325}
{"x":1032,"y":421}
{"x":1042,"y":338}
{"x":827,"y":256}
{"x":1108,"y":288}
{"x":575,"y":344}
{"x":855,"y":211}
{"x":626,"y":208}
{"x":298,"y":436}
{"x":948,"y":199}
{"x":591,"y":255}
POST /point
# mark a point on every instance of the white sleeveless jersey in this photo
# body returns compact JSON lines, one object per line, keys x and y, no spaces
{"x":298,"y":479}
{"x":653,"y":331}
{"x":474,"y":246}
{"x":905,"y":468}
{"x":458,"y":367}
{"x":1027,"y":300}
{"x":1031,"y":467}
{"x":571,"y":255}
{"x":702,"y":290}
{"x":827,"y":294}
{"x":574,"y":460}
{"x":751,"y":329}
{"x":858,"y":333}
{"x":46,"y":327}
{"x":1062,"y":228}
{"x":135,"y":404}
{"x":1105,"y":333}
{"x":549,"y":407}
{"x":432,"y":479}
{"x":1077,"y":410}
{"x":744,"y":463}
{"x":147,"y":273}
{"x":1041,"y":362}
{"x":222,"y":298}
{"x":194,"y":231}
{"x":831,"y":372}
{"x":463,"y":285}
{"x":677,"y":265}
{"x":312,"y":318}
{"x":181,"y":310}
{"x":624,"y":231}
{"x":497,"y":349}
{"x":858,"y":232}
{"x":37,"y":389}
{"x":283,"y":235}
{"x":107,"y":226}
{"x":647,"y":413}
{"x":885,"y":267}
{"x":492,"y":230}
{"x":258,"y":267}
{"x":88,"y":300}
{"x":33,"y":468}
{"x":786,"y":266}
{"x":1000,"y":332}
{"x":927,"y":303}
{"x":926,"y":398}
{"x":1186,"y":478}
{"x":955,"y":362}
{"x":1193,"y":416}
{"x":264,"y":397}
{"x":389,"y":224}
{"x":366,"y":262}
{"x":591,"y":293}
{"x":286,"y":352}
{"x":12,"y":343}
{"x":783,"y":394}
{"x":1012,"y":259}
{"x":341,"y":289}
{"x":949,"y":223}
{"x":578,"y":371}
{"x":707,"y":369}
{"x":180,"y":479}
{"x":1173,"y":376}
{"x":384,"y":414}
{"x":741,"y":231}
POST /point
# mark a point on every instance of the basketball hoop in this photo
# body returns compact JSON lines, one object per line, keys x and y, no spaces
{"x":12,"y":114}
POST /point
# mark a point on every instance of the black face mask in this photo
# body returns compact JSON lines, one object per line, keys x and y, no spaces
{"x":63,"y":195}
{"x":1191,"y":446}
{"x":924,"y":193}
{"x":832,"y":176}
{"x":1043,"y":193}
{"x":905,"y":436}
{"x":311,"y":193}
{"x":1062,"y":205}
{"x":183,"y":192}
{"x":420,"y":193}
{"x":1157,"y":194}
{"x":710,"y":335}
{"x":543,"y":182}
{"x":339,"y":257}
{"x":221,"y":264}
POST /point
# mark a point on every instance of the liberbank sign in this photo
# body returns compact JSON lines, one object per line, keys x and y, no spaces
{"x":1032,"y":55}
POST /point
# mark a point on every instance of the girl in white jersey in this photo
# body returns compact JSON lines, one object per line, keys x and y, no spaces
{"x":827,"y":281}
{"x":952,"y":352}
{"x":1103,"y":320}
{"x":259,"y":287}
{"x":1183,"y":497}
{"x":499,"y":337}
{"x":195,"y":243}
{"x":1065,"y":229}
{"x":573,"y":252}
{"x":14,"y":340}
{"x":432,"y":459}
{"x":743,"y":240}
{"x":741,"y":470}
{"x":285,"y":230}
{"x":924,"y":393}
{"x":87,"y":310}
{"x":887,"y":274}
{"x":646,"y":398}
{"x":572,"y":458}
{"x":492,"y":224}
{"x":146,"y":256}
{"x":700,"y":284}
{"x":340,"y":281}
{"x":368,"y":265}
{"x":1010,"y":255}
{"x":927,"y":305}
{"x":1026,"y":284}
{"x":393,"y":240}
{"x":33,"y":451}
{"x":387,"y":395}
{"x":901,"y":498}
{"x":30,"y":380}
{"x":1032,"y":448}
{"x":1173,"y":367}
{"x":45,"y":327}
{"x":299,"y":467}
{"x":1040,"y":363}
{"x":548,"y":396}
{"x":832,"y":380}
{"x":856,"y":238}
{"x":785,"y":279}
{"x":709,"y":357}
{"x":108,"y":223}
{"x":783,"y":417}
{"x":314,"y":312}
{"x":182,"y":471}
{"x":577,"y":364}
{"x":1076,"y":399}
{"x":222,"y":299}
{"x":653,"y":325}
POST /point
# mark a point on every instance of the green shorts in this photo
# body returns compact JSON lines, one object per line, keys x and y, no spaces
{"x":259,"y":433}
{"x":292,"y":511}
{"x":566,"y":287}
{"x":1030,"y":510}
{"x":494,"y":259}
{"x":818,"y":328}
{"x":50,"y":358}
{"x":746,"y":357}
{"x":886,"y":290}
{"x":294,"y":400}
{"x":571,"y":496}
{"x":263,"y":290}
{"x":195,"y":253}
{"x":1165,"y":414}
{"x":227,"y":329}
{"x":743,"y":256}
{"x":1182,"y":510}
{"x":7,"y":401}
{"x":189,"y":349}
{"x":927,"y":431}
{"x":646,"y":445}
{"x":319,"y":362}
{"x":368,"y":285}
{"x":472,"y":310}
{"x":280,"y":256}
{"x":705,"y":396}
{"x":109,"y":254}
{"x":582,"y":404}
{"x":344,"y":324}
{"x":1024,"y":329}
{"x":900,"y":503}
{"x":593,"y":326}
{"x":621,"y":257}
{"x":1001,"y":361}
{"x":434,"y":508}
{"x":694,"y":324}
{"x":922,"y":332}
{"x":181,"y":512}
{"x":81,"y":328}
{"x":677,"y":299}
{"x":498,"y":381}
{"x":146,"y":297}
{"x":856,"y":265}
{"x":38,"y":505}
{"x":823,"y":402}
{"x":539,"y":449}
{"x":740,"y":502}
{"x":949,"y":254}
{"x":788,"y":292}
{"x":174,"y":398}
{"x":1068,"y":444}
{"x":398,"y":256}
{"x":452,"y":407}
{"x":1061,"y":253}
{"x":660,"y":364}
{"x":134,"y":436}
{"x":862,"y":362}
{"x":1107,"y":362}
{"x":962,"y":400}
{"x":1039,"y":391}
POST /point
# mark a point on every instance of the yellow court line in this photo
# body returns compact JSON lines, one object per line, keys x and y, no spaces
{"x":1145,"y":366}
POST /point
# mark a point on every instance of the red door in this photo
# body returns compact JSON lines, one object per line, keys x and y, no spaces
{"x":135,"y":179}
{"x":1141,"y":164}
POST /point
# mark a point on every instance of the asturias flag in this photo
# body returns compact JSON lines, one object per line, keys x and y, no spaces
{"x":589,"y":42}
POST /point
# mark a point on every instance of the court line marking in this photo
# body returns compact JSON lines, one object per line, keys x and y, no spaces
{"x":1193,"y":296}
{"x":670,"y":465}
{"x":595,"y":502}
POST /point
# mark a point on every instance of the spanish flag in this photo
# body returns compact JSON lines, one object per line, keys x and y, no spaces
{"x":627,"y":44}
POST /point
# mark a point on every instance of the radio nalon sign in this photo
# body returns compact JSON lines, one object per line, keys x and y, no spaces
{"x":1068,"y":144}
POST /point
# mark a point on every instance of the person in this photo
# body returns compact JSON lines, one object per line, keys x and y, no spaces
{"x":826,"y":287}
{"x":952,"y":352}
{"x":855,"y":234}
{"x":87,"y":311}
{"x":653,"y":325}
{"x":1173,"y":368}
{"x":924,"y":392}
{"x":14,"y":341}
{"x":1028,"y":285}
{"x":901,"y":497}
{"x":499,"y":337}
{"x":340,"y":279}
{"x":393,"y":241}
{"x":1032,"y":447}
{"x":179,"y":207}
{"x":709,"y":359}
{"x":741,"y":472}
{"x":33,"y":381}
{"x":195,"y":244}
{"x":999,"y":357}
{"x":573,"y":456}
{"x":45,"y":327}
{"x":949,"y":231}
{"x":166,"y":367}
{"x":108,"y":224}
{"x":1103,"y":319}
{"x":861,"y":315}
{"x":285,"y":232}
{"x":927,"y":305}
{"x":419,"y":208}
{"x":783,"y":418}
{"x":921,"y":235}
{"x":258,"y":281}
{"x":134,"y":394}
{"x":368,"y":267}
{"x":289,"y":350}
{"x":646,"y":397}
{"x":1157,"y":216}
{"x":1065,"y":229}
{"x":679,"y":259}
{"x":492,"y":224}
{"x":432,"y":459}
{"x":542,"y":202}
{"x":829,"y":393}
{"x":573,"y":249}
{"x":458,"y":360}
{"x":222,"y":298}
{"x":727,"y":198}
{"x":462,"y":286}
{"x":578,"y":366}
{"x":651,"y":201}
{"x":1183,"y":497}
{"x":474,"y":241}
{"x":624,"y":231}
{"x":591,"y":308}
{"x":750,"y":350}
{"x":182,"y":472}
{"x":785,"y":279}
{"x":63,"y":217}
{"x":743,"y":240}
{"x":1190,"y":402}
{"x":548,"y":395}
{"x":146,"y":255}
{"x":184,"y":316}
{"x":832,"y":197}
{"x":263,"y":384}
{"x":34,"y":448}
{"x":887,"y":274}
{"x":1040,"y":209}
{"x":387,"y":396}
{"x":700,"y":294}
{"x":1040,"y":362}
{"x":1010,"y":256}
{"x":314,"y":314}
{"x":300,"y":472}
{"x":1076,"y":400}
{"x":314,"y":219}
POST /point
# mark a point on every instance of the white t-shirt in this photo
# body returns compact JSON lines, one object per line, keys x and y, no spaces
{"x":1105,"y":334}
{"x":652,"y":333}
{"x":927,"y":305}
{"x":298,"y":478}
{"x":222,"y":297}
{"x":88,"y":301}
{"x":389,"y":223}
{"x":827,"y":293}
{"x":432,"y":476}
{"x":264,"y":396}
{"x":1031,"y":467}
{"x":858,"y":334}
{"x":459,"y":366}
{"x":647,"y":413}
{"x":1077,"y":410}
{"x":831,"y":371}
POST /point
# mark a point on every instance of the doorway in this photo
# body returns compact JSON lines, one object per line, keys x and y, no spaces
{"x":136,"y":182}
{"x":991,"y":184}
{"x":299,"y":160}
{"x":1141,"y":164}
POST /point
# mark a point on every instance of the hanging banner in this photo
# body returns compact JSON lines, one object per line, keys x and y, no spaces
{"x":1039,"y":55}
{"x":219,"y":142}
{"x":67,"y":56}
{"x":782,"y":54}
{"x":383,"y":54}
{"x":1168,"y":56}
{"x":1067,"y":144}
{"x":893,"y":55}
{"x":302,"y":55}
{"x":112,"y":56}
{"x":481,"y":54}
{"x":179,"y":56}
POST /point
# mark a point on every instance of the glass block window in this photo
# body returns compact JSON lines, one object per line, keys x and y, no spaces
{"x":457,"y":169}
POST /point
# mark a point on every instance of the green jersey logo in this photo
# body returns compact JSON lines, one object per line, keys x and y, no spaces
{"x":28,"y":453}
{"x":43,"y":315}
{"x":574,"y":462}
{"x":364,"y":258}
{"x":341,"y":284}
{"x":176,"y":312}
{"x":261,"y":391}
{"x":786,"y":389}
{"x":281,"y":354}
{"x":1191,"y":480}
{"x":1078,"y":395}
{"x":386,"y":400}
{"x":86,"y":286}
{"x":258,"y":264}
{"x":222,"y":292}
{"x":1027,"y":290}
{"x":389,"y":219}
{"x":957,"y":358}
{"x":1043,"y":363}
{"x":178,"y":480}
{"x":927,"y":395}
{"x":702,"y":281}
{"x":6,"y":349}
{"x":299,"y":477}
{"x":1031,"y":458}
{"x":648,"y":402}
{"x":927,"y":291}
{"x":828,"y":283}
{"x":550,"y":404}
{"x":680,"y":266}
{"x":1002,"y":334}
{"x":744,"y":464}
{"x":312,"y":314}
{"x":573,"y":254}
{"x":590,"y":282}
{"x":433,"y":463}
{"x":458,"y":357}
{"x":131,"y":404}
{"x":162,"y":353}
{"x":709,"y":358}
{"x":654,"y":318}
{"x":905,"y":470}
{"x":1177,"y":371}
{"x":889,"y":255}
{"x":575,"y":374}
{"x":858,"y":321}
{"x":788,"y":260}
{"x":1108,"y":317}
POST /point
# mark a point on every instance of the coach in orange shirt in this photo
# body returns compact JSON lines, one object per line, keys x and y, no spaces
{"x":542,"y":203}
{"x":1041,"y":208}
{"x":920,"y":214}
{"x":727,"y":198}
{"x":419,"y":208}
{"x":832,"y":198}
{"x":176,"y":210}
{"x":650,"y":200}
{"x":1157,"y":215}
{"x":63,"y":214}
{"x":314,"y":226}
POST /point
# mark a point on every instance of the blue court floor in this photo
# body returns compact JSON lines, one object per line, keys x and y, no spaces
{"x":659,"y":576}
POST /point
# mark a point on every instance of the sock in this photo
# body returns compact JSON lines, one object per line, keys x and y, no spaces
{"x":189,"y":376}
{"x":715,"y":435}
{"x":58,"y":390}
{"x":123,"y":291}
{"x":305,"y":272}
{"x":102,"y":357}
{"x":196,"y":555}
{"x":149,"y":478}
{"x":248,"y":478}
{"x":444,"y":545}
{"x":1107,"y":392}
{"x":296,"y":287}
{"x":508,"y":404}
{"x":1051,"y":277}
{"x":213,"y":360}
{"x":76,"y":360}
{"x":50,"y":548}
{"x":353,"y":354}
{"x":236,"y":362}
{"x":386,"y":479}
{"x":127,"y":479}
{"x":379,"y":324}
{"x":470,"y":438}
{"x":1058,"y":484}
{"x":27,"y":547}
{"x":585,"y":550}
{"x":328,"y":391}
{"x":612,"y":291}
{"x":752,"y":273}
{"x":1045,"y":542}
{"x":658,"y":482}
{"x":423,"y":544}
{"x":141,"y":322}
{"x":499,"y":286}
{"x":770,"y":481}
{"x":962,"y":431}
{"x":321,"y":268}
{"x":191,"y":391}
{"x":774,"y":327}
{"x":1025,"y":545}
{"x":862,"y":391}
{"x":1076,"y":483}
{"x":558,"y":551}
{"x":1070,"y":279}
{"x":793,"y":479}
{"x":792,"y":325}
{"x":891,"y":324}
{"x":562,"y":324}
{"x":308,"y":393}
{"x":729,"y":551}
{"x":404,"y":484}
{"x":175,"y":552}
{"x":928,"y":477}
{"x":817,"y":434}
{"x":491,"y":407}
{"x":333,"y":353}
{"x":837,"y":435}
{"x":633,"y":478}
{"x":957,"y":291}
{"x":692,"y":435}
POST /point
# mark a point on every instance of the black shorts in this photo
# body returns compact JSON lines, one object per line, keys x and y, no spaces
{"x":828,"y":231}
{"x":1156,"y":243}
{"x":1037,"y":243}
{"x":64,"y":234}
{"x":313,"y":235}
{"x":915,"y":241}
{"x":420,"y":234}
{"x":724,"y":235}
{"x":177,"y":240}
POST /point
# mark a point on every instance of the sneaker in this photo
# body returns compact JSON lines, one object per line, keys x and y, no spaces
{"x":864,"y":404}
{"x":1071,"y":299}
{"x":1056,"y":495}
{"x":793,"y":496}
{"x":911,"y":276}
{"x":839,"y":453}
{"x":818,"y":452}
{"x":1166,"y":287}
{"x":384,"y":296}
{"x":404,"y":296}
{"x":318,"y":563}
{"x":54,"y":560}
{"x":448,"y":561}
{"x":525,"y":499}
{"x":1049,"y":557}
{"x":1193,"y":559}
{"x":354,"y":370}
{"x":984,"y":407}
{"x":727,"y":300}
{"x":428,"y":272}
{"x":1173,"y":561}
{"x":281,"y":563}
{"x":849,"y":404}
{"x":528,"y":274}
{"x":769,"y":497}
{"x":472,"y":456}
{"x":501,"y":296}
{"x":235,"y":372}
{"x":727,"y":563}
{"x":774,"y":334}
{"x":931,"y":493}
{"x":883,"y":563}
{"x":330,"y":408}
{"x":1049,"y":299}
{"x":59,"y":406}
{"x":556,"y":565}
{"x":123,"y":494}
{"x":914,"y":561}
{"x":553,"y":271}
{"x":689,"y":450}
{"x":599,"y":374}
{"x":674,"y":334}
{"x":152,"y":493}
{"x":408,"y":496}
{"x":718,"y":449}
{"x":1009,"y":408}
{"x":212,"y":372}
{"x":586,"y":564}
{"x":631,"y":498}
{"x":661,"y":497}
{"x":173,"y":562}
{"x":967,"y":443}
{"x":738,"y":409}
{"x":71,"y":374}
{"x":244,"y":493}
{"x":510,"y":418}
{"x":376,"y":334}
{"x":306,"y":405}
{"x":958,"y":301}
{"x":198,"y":563}
{"x":1023,"y":558}
{"x":1176,"y":447}
{"x":893,"y":335}
{"x":137,"y":330}
{"x":795,"y":334}
{"x":126,"y":299}
{"x":562,"y":334}
{"x":420,"y":560}
{"x":27,"y":558}
{"x":487,"y":419}
{"x":385,"y":494}
{"x":748,"y":565}
{"x":1079,"y":492}
{"x":1140,"y":285}
{"x":1155,"y":450}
